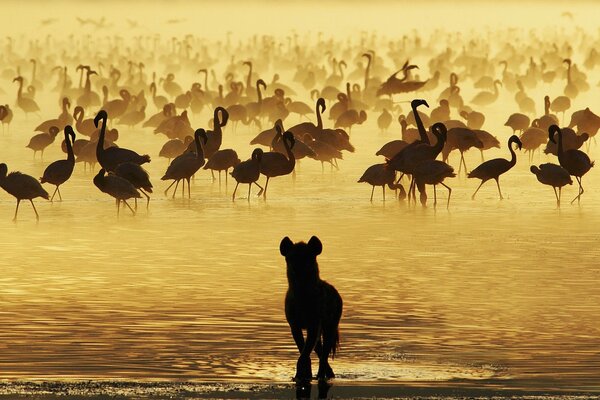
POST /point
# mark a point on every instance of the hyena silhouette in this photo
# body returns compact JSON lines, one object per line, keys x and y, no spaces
{"x":311,"y":304}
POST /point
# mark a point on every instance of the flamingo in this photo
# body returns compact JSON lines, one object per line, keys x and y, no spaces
{"x":274,"y":163}
{"x":138,"y":177}
{"x":575,"y":161}
{"x":119,"y":188}
{"x":492,"y":169}
{"x":40,"y":141}
{"x":110,"y":158}
{"x":186,"y":165}
{"x":432,"y":172}
{"x":485,"y":98}
{"x":24,"y":103}
{"x":60,"y":171}
{"x":380,"y":175}
{"x":552,"y":175}
{"x":22,"y":187}
{"x":222,"y":160}
{"x":248,"y":172}
{"x":174,"y":147}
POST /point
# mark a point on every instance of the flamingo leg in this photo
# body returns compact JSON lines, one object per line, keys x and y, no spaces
{"x":249,"y":187}
{"x":16,"y":210}
{"x":189,"y":194}
{"x":372,"y":190}
{"x":172,"y":183}
{"x":462,"y":156}
{"x":559,"y":195}
{"x":556,"y":195}
{"x":260,"y":187}
{"x":434,"y":196}
{"x":498,"y":184}
{"x":265,"y":191}
{"x":127,"y":204}
{"x":449,"y":193}
{"x":235,"y":190}
{"x":118,"y":206}
{"x":460,"y":164}
{"x":147,"y":198}
{"x":578,"y":198}
{"x":383,"y":188}
{"x":183,"y":188}
{"x":52,"y":197}
{"x":176,"y":186}
{"x":59,"y":195}
{"x":135,"y":204}
{"x":477,"y":190}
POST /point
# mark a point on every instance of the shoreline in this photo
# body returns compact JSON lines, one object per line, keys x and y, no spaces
{"x":100,"y":389}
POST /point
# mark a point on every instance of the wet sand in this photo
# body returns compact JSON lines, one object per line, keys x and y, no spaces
{"x":100,"y":389}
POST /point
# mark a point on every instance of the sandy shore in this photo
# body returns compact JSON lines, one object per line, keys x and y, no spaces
{"x":101,"y":389}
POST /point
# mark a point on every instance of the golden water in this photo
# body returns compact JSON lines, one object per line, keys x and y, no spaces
{"x":497,"y":291}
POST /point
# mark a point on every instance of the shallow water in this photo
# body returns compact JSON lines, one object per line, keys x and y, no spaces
{"x":488,"y":293}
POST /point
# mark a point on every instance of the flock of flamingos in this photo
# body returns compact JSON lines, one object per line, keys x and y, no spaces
{"x":346,"y":82}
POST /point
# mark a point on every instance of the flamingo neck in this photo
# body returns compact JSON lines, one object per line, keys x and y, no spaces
{"x":513,"y":155}
{"x":319,"y":120}
{"x":420,"y":126}
{"x":70,"y":155}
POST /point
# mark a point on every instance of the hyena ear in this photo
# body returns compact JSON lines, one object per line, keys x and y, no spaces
{"x":285,"y":246}
{"x":315,"y":245}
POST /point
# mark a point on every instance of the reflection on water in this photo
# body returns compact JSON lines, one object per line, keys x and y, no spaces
{"x":501,"y":293}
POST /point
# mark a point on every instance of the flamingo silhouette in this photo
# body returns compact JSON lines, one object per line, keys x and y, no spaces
{"x":22,"y":187}
{"x":552,"y":175}
{"x":187,"y":164}
{"x":248,"y":172}
{"x":575,"y":161}
{"x":60,"y":171}
{"x":274,"y":163}
{"x":110,"y":158}
{"x":119,"y":188}
{"x":492,"y":169}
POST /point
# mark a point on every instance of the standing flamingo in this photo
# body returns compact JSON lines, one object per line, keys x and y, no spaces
{"x":575,"y":161}
{"x":60,"y":171}
{"x":26,"y":104}
{"x":248,"y":172}
{"x":274,"y":163}
{"x":492,"y":169}
{"x":552,"y":175}
{"x":110,"y":158}
{"x":187,"y":164}
{"x":119,"y":188}
{"x":22,"y":187}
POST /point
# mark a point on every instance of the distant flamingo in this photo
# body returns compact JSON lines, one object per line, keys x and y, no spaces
{"x":40,"y":141}
{"x":575,"y":161}
{"x":60,"y":171}
{"x":492,"y":169}
{"x":487,"y":98}
{"x":222,"y":160}
{"x":24,"y":103}
{"x":22,"y":187}
{"x":552,"y":175}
